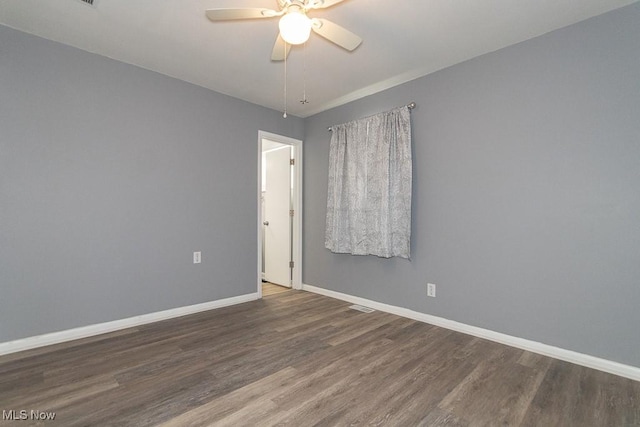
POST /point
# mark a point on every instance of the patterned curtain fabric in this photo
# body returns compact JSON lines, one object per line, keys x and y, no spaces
{"x":369,"y":200}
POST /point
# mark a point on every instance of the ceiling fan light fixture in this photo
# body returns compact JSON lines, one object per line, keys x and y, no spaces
{"x":295,"y":27}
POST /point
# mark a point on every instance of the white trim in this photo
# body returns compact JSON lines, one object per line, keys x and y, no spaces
{"x":593,"y":362}
{"x":103,"y":328}
{"x":297,"y":206}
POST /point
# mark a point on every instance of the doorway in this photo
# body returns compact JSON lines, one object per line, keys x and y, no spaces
{"x":279,"y":211}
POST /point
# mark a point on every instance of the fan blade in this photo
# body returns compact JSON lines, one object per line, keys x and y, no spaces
{"x":323,"y":4}
{"x":280,"y":49}
{"x":336,"y":34}
{"x":247,"y":13}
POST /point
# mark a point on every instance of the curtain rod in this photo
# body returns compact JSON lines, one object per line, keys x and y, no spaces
{"x":410,"y":106}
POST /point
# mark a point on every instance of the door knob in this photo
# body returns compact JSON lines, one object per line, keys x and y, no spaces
{"x":266,"y":223}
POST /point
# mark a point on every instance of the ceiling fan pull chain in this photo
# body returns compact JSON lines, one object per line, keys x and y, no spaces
{"x":304,"y":74}
{"x":285,"y":80}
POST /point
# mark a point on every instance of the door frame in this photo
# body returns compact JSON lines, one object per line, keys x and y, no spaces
{"x":296,"y":282}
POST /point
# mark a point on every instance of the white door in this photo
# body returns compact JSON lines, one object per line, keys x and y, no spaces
{"x":277,"y":220}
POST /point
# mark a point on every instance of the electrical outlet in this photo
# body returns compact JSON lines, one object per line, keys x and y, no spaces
{"x":431,"y":290}
{"x":197,"y":257}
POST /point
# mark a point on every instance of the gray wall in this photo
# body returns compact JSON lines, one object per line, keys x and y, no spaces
{"x":526,"y":199}
{"x":110,"y":177}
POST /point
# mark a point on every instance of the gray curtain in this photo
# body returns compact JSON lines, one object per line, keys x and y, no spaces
{"x":369,"y":199}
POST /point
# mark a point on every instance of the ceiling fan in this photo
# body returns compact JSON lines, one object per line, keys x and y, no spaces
{"x":295,"y":26}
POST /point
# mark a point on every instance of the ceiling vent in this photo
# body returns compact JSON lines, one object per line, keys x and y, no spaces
{"x":92,"y":3}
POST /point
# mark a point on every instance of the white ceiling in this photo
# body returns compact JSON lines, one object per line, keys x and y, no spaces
{"x":402,"y":40}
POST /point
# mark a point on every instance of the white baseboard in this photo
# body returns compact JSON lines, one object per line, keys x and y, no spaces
{"x":604,"y":365}
{"x":103,"y":328}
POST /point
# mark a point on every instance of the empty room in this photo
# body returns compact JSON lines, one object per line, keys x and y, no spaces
{"x":320,"y":213}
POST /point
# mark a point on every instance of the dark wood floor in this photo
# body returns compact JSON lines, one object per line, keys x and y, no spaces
{"x":299,"y":359}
